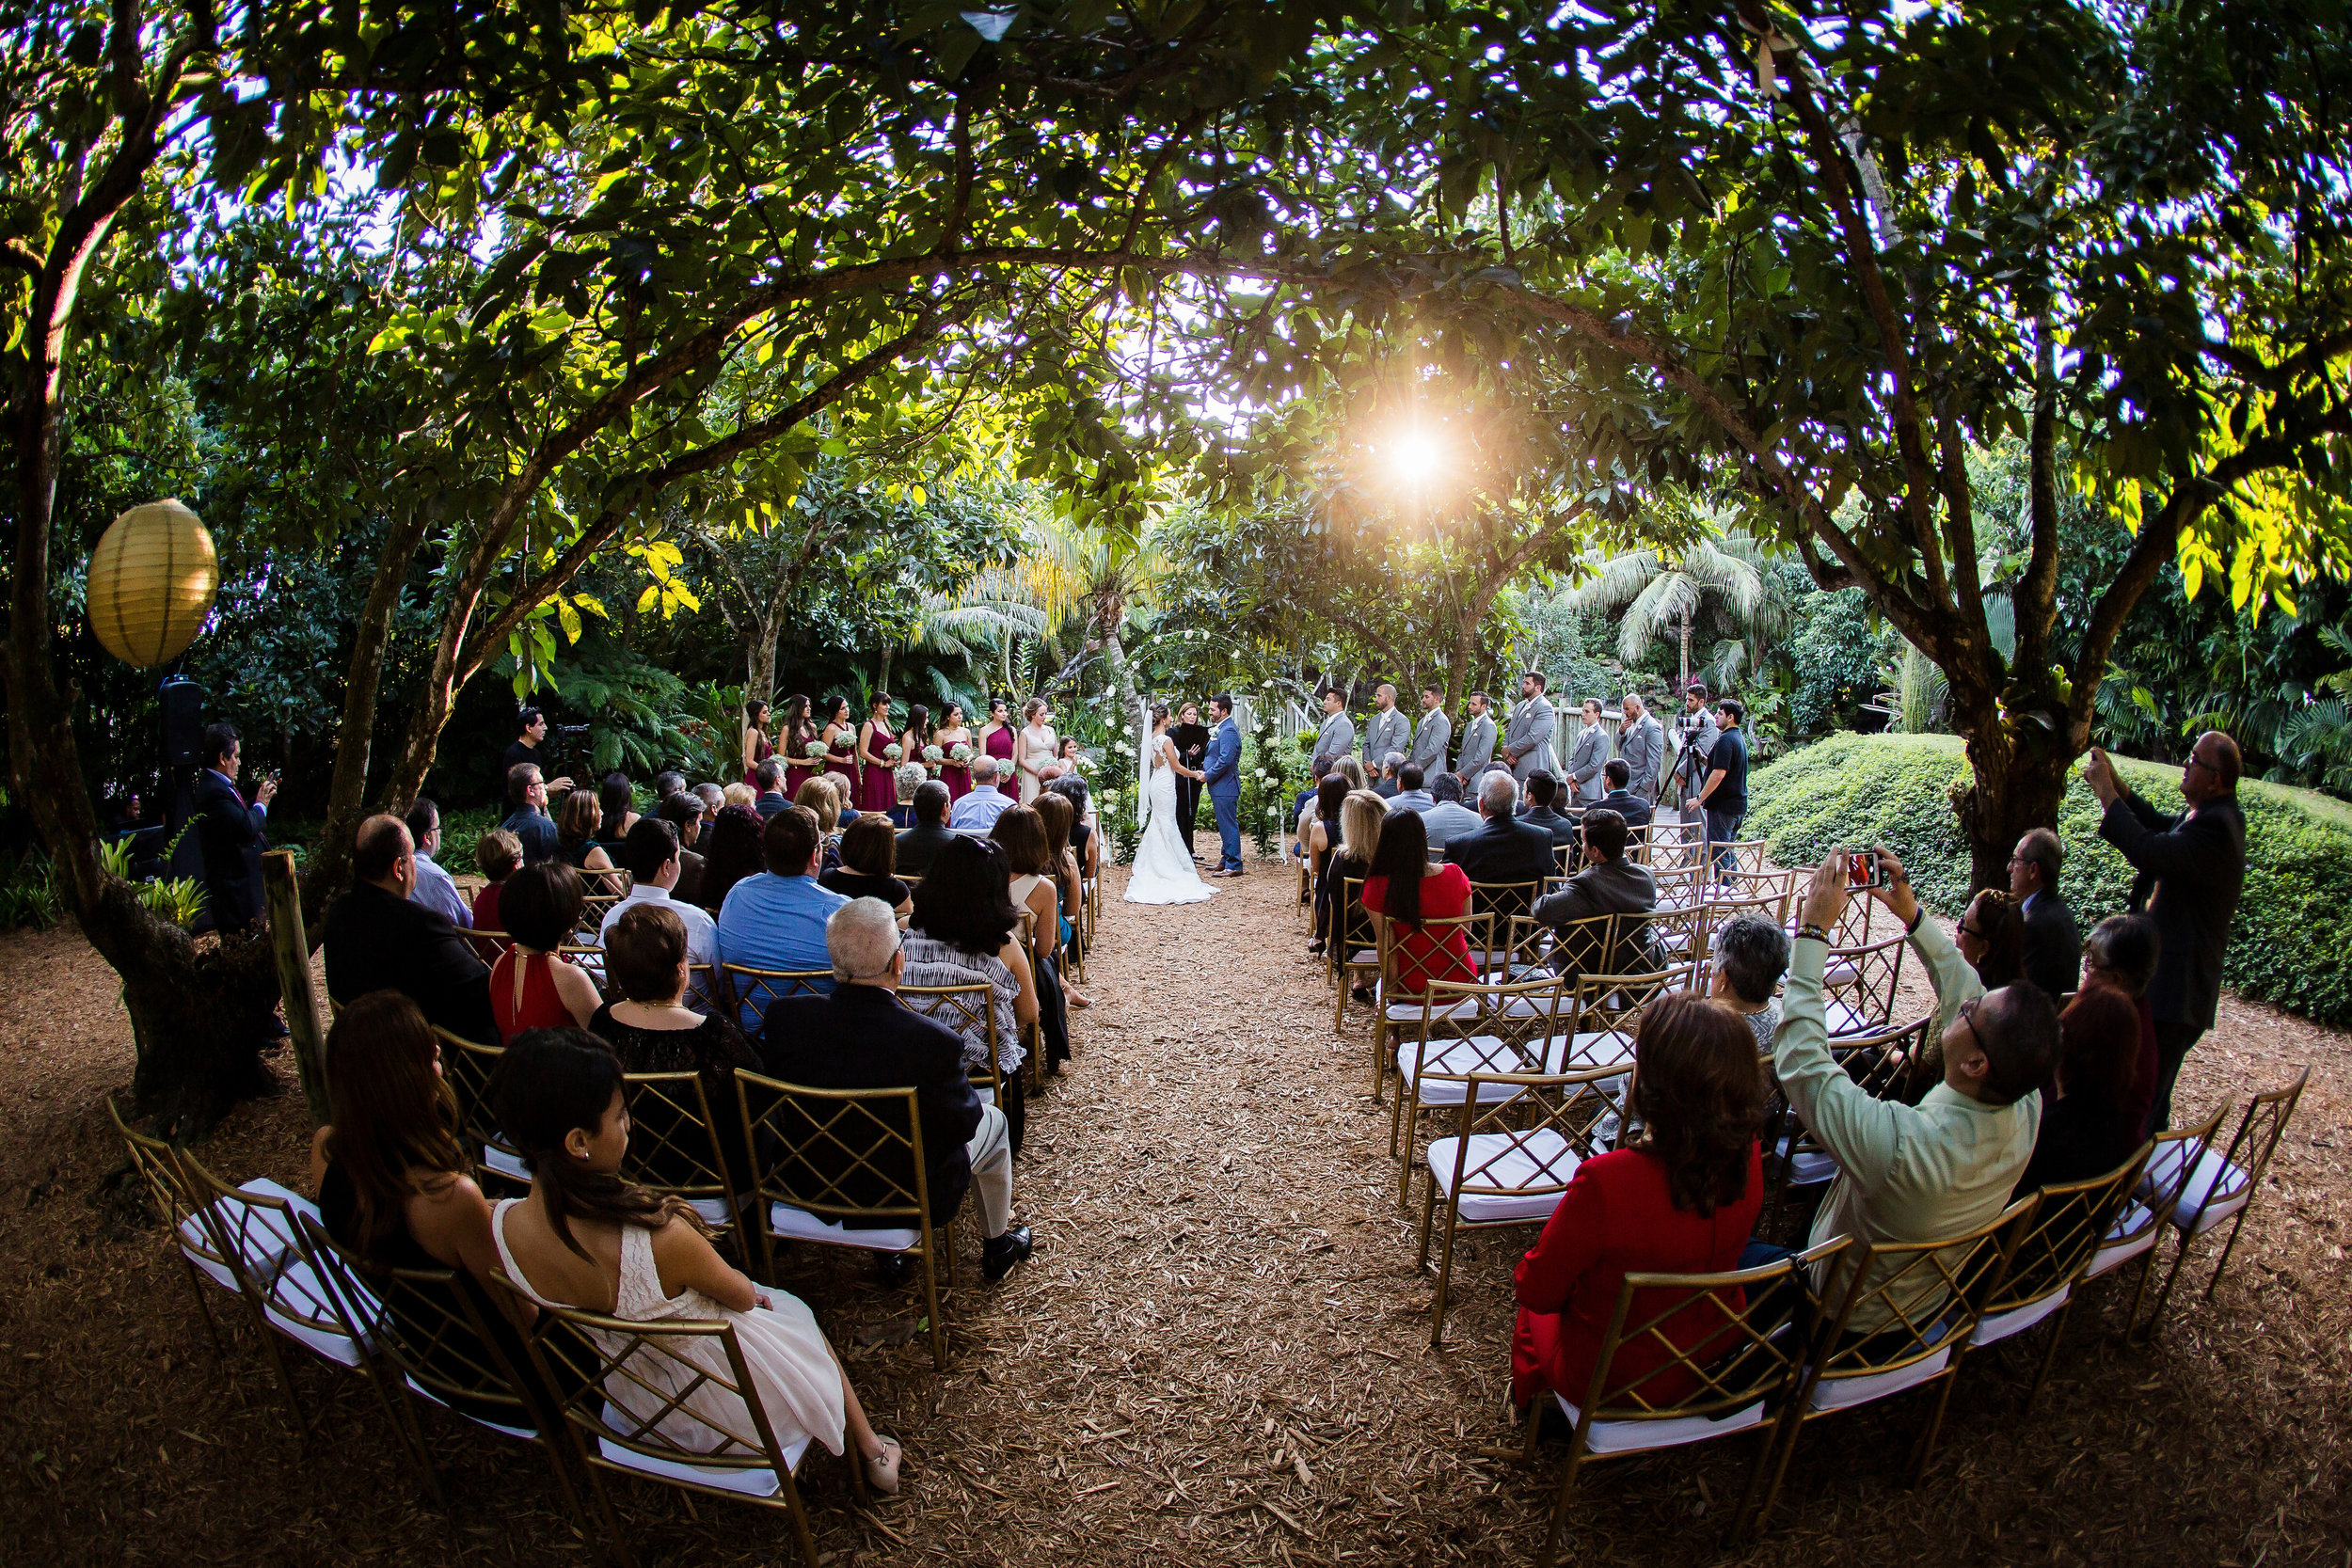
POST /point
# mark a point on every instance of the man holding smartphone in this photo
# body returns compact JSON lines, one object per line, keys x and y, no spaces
{"x":1722,"y":799}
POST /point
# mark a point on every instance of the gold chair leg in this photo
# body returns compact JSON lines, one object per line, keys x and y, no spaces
{"x":1428,"y":1211}
{"x":2142,"y":1332}
{"x":1559,"y":1519}
{"x":2227,"y":1247}
{"x":930,"y":1299}
{"x":1794,"y":1421}
{"x":800,"y":1536}
{"x":1924,"y":1449}
{"x":1445,"y":1274}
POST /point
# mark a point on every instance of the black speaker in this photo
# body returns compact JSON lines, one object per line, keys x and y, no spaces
{"x":183,"y":722}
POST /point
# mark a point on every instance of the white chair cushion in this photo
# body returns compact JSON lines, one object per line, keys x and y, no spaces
{"x":1464,"y":1011}
{"x":1459,"y":1058}
{"x":1635,"y":1436}
{"x":505,"y":1163}
{"x":714,"y":1212}
{"x":1842,"y":972}
{"x":267,"y":1239}
{"x":751,"y":1484}
{"x":2113,"y":1253}
{"x":2000,"y":1325}
{"x":1598,"y":1048}
{"x":1813,"y":1166}
{"x":1522,"y":1166}
{"x":800,"y":1224}
{"x":1558,"y":1010}
{"x":2220,"y":1186}
{"x":1838,"y":1393}
{"x":1844,"y":1021}
{"x":1363,"y":956}
{"x":527,"y":1435}
{"x":303,"y":1289}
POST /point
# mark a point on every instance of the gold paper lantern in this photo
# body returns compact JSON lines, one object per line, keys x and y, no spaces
{"x":151,"y":581}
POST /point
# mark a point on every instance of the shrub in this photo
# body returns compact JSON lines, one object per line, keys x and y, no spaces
{"x":2289,"y":944}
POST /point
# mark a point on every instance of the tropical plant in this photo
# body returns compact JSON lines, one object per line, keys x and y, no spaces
{"x":1666,"y":595}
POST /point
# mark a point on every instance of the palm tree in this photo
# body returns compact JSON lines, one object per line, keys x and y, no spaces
{"x":1664,"y":594}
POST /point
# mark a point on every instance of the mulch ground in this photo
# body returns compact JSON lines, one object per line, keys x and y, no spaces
{"x":1219,"y":1354}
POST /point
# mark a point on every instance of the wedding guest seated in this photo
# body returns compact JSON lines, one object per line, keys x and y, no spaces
{"x":918,"y":844}
{"x":1621,"y":800}
{"x":1059,"y":820}
{"x":964,"y":932}
{"x":844,"y":799}
{"x":978,"y":811}
{"x":532,"y":985}
{"x":498,"y":855}
{"x":864,"y":1036}
{"x":735,"y":853}
{"x":651,"y":1029}
{"x":2091,"y":1111}
{"x":587,"y":1239}
{"x":1750,"y":955}
{"x":527,"y":811}
{"x":1362,"y":813}
{"x":667,"y":783}
{"x":1992,"y":939}
{"x":869,"y":853}
{"x":616,"y":811}
{"x":776,"y":919}
{"x":741,"y":794}
{"x":1022,"y":837}
{"x":2053,"y":952}
{"x":1912,"y":1173}
{"x":907,"y":777}
{"x":1606,"y":883}
{"x":377,"y":940}
{"x":768,"y":778}
{"x":1086,"y":840}
{"x":1503,"y":848}
{"x":683,"y":812}
{"x":655,"y":867}
{"x":393,"y":1187}
{"x":1411,"y":791}
{"x":1303,"y":805}
{"x":822,"y":796}
{"x":1407,"y":890}
{"x":1543,"y":793}
{"x":1681,"y":1198}
{"x":1389,"y":784}
{"x":436,"y":888}
{"x":576,"y":837}
{"x":2120,"y":955}
{"x":713,"y":797}
{"x":1449,"y":819}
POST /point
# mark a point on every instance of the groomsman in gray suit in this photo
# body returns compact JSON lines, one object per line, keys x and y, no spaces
{"x":1478,"y":739}
{"x":1527,"y":740}
{"x":1337,"y":738}
{"x":1588,"y":754}
{"x":1431,"y":735}
{"x":1642,"y":744}
{"x":1388,"y":730}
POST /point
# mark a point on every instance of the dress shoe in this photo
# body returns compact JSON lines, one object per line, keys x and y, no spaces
{"x":892,"y":1269}
{"x":998,"y":1253}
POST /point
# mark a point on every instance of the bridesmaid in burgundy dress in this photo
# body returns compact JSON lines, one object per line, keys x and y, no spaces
{"x":878,"y":786}
{"x":998,"y":741}
{"x":956,"y":776}
{"x":840,"y":738}
{"x":797,"y":732}
{"x":757,"y":748}
{"x":911,"y":744}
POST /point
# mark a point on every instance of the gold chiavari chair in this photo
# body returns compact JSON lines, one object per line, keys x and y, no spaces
{"x":489,"y":947}
{"x":1769,"y":894}
{"x":1397,"y":1007}
{"x":601,"y":889}
{"x":1354,"y":947}
{"x":467,"y":1068}
{"x":1512,"y":1026}
{"x":1033,"y":1032}
{"x":2172,"y":1155}
{"x":821,"y":1158}
{"x":1502,"y":901}
{"x":752,"y":990}
{"x":1687,"y":1359}
{"x":1747,"y":856}
{"x":588,"y":959}
{"x":1516,"y":1141}
{"x":1883,"y":1064}
{"x":1672,"y":846}
{"x":1609,"y":1014}
{"x":1680,"y":887}
{"x":671,"y":1401}
{"x":971,"y":1012}
{"x":1899,"y":1313}
{"x":2219,"y":1189}
{"x":702,"y":989}
{"x":1664,"y":938}
{"x":676,"y":1146}
{"x":167,"y":1186}
{"x":1859,"y":987}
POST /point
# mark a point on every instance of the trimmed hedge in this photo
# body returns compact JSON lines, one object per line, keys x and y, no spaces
{"x":2291,"y":942}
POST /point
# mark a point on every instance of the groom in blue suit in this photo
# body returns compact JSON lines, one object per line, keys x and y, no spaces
{"x":1221,"y":776}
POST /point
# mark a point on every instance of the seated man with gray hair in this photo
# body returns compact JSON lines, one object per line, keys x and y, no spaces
{"x":866,"y":1037}
{"x":1390,"y":766}
{"x":1448,"y":820}
{"x":1503,"y":848}
{"x":978,"y":811}
{"x":1750,"y":955}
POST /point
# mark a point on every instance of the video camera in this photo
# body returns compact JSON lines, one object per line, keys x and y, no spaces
{"x":568,"y":744}
{"x":1688,"y":725}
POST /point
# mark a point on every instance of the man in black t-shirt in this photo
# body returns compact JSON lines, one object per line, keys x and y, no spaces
{"x":526,"y":749}
{"x":1724,"y":798}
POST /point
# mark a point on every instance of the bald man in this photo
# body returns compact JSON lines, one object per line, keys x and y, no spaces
{"x":379,"y":939}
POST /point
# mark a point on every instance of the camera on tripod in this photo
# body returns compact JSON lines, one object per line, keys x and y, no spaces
{"x":572,"y":750}
{"x":1688,"y":724}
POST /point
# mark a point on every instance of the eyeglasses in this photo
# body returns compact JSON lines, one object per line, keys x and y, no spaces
{"x":1967,"y":1015}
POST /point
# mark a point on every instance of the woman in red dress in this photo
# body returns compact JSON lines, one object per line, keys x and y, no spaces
{"x":998,"y":741}
{"x":532,"y":986}
{"x":878,"y":786}
{"x":956,"y":775}
{"x":757,"y":746}
{"x":797,"y":732}
{"x":1406,"y":888}
{"x":1681,"y":1200}
{"x":916,"y":736}
{"x":840,"y":738}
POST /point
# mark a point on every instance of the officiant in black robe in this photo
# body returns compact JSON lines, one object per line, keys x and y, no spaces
{"x":1192,"y":744}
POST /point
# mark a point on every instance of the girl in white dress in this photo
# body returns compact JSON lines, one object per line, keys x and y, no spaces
{"x":585,"y":1237}
{"x":1164,"y":872}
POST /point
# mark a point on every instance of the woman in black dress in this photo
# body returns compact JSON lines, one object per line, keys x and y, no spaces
{"x":651,"y":1029}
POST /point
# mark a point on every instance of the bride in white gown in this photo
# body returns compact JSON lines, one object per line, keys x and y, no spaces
{"x":1164,"y":872}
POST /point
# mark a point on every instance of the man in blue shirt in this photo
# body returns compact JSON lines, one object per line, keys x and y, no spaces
{"x":978,"y":811}
{"x":775,"y":919}
{"x":527,"y":794}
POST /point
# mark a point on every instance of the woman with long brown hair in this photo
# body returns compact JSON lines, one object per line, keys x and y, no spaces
{"x":1407,"y":891}
{"x":1681,"y":1200}
{"x":757,"y":748}
{"x":587,"y":1238}
{"x":796,"y":733}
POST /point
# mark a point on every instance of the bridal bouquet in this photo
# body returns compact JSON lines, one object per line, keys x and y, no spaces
{"x":813,"y":749}
{"x":959,"y":754}
{"x":931,"y":754}
{"x":892,"y":753}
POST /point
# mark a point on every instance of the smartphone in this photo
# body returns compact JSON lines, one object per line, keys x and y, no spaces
{"x":1864,"y":870}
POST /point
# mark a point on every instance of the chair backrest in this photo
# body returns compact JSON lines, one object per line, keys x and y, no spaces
{"x":967,"y":1010}
{"x":2251,"y":1146}
{"x":1502,"y":900}
{"x":1524,"y":1134}
{"x":166,"y":1184}
{"x":468,"y":1067}
{"x":1883,"y":1065}
{"x":1680,"y":885}
{"x":1891,"y":1303}
{"x":1860,"y":986}
{"x":1614,"y":1001}
{"x":588,"y":959}
{"x":1586,"y":943}
{"x":2173,"y":1156}
{"x":1702,"y":1345}
{"x":261,"y":1238}
{"x":489,"y":945}
{"x":1356,"y":927}
{"x":2068,"y":1229}
{"x":704,"y":992}
{"x":840,"y":1154}
{"x":1747,"y":855}
{"x":752,"y":990}
{"x":1767,"y":894}
{"x":1512,"y":1022}
{"x":674,"y":1142}
{"x":1674,"y":845}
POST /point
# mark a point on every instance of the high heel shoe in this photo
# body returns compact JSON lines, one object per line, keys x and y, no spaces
{"x":881,"y":1469}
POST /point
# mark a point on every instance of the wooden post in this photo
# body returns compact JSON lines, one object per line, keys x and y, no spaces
{"x":292,"y":945}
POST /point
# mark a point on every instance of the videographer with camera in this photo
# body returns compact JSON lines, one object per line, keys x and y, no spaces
{"x":526,"y":749}
{"x":1694,"y":733}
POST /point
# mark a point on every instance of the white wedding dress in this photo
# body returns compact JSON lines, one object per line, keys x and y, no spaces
{"x":1164,"y":872}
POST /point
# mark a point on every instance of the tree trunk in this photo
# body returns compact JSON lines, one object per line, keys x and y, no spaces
{"x":889,"y":655}
{"x":2019,"y":782}
{"x":759,"y":684}
{"x":1686,"y":657}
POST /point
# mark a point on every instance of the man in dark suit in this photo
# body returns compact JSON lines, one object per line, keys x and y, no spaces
{"x":864,"y":1036}
{"x":1543,"y":790}
{"x":769,"y":778}
{"x":2054,"y":949}
{"x":228,"y":833}
{"x":2190,"y":870}
{"x":378,"y":939}
{"x":1608,"y":884}
{"x":1503,"y":848}
{"x":918,"y":844}
{"x":1621,"y":798}
{"x":683,"y":810}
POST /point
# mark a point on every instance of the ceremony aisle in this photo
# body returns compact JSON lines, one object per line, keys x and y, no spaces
{"x":1220,"y":1354}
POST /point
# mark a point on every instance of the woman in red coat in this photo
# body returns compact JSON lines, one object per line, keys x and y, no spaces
{"x":1682,"y":1200}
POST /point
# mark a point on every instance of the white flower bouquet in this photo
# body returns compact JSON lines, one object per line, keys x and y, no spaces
{"x":813,"y":749}
{"x":893,"y":752}
{"x":932,"y":754}
{"x":960,"y":752}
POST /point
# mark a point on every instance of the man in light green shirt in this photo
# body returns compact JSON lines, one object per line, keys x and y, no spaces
{"x":1945,"y":1166}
